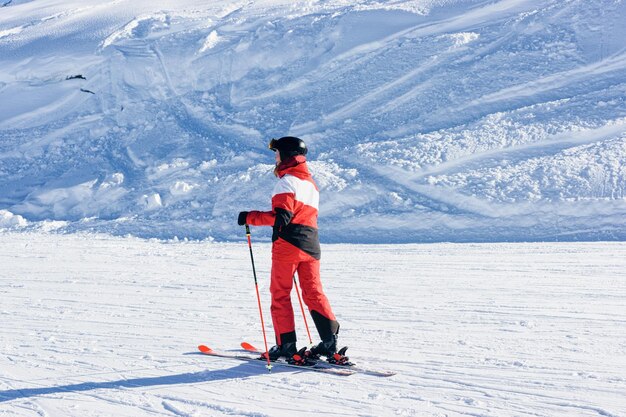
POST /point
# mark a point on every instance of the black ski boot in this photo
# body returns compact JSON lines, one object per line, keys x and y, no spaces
{"x":328,"y":330}
{"x":325,"y":348}
{"x":286,"y":350}
{"x":328,"y":348}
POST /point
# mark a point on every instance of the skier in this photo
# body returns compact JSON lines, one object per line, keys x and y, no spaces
{"x":295,"y":248}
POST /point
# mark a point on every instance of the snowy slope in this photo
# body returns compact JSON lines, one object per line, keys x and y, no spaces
{"x":427,"y":120}
{"x":100,"y":326}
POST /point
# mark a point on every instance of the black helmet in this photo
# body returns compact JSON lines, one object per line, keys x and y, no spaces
{"x":288,"y":146}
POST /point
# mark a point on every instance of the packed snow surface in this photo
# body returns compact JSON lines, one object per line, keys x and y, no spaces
{"x":427,"y":120}
{"x":94,"y":325}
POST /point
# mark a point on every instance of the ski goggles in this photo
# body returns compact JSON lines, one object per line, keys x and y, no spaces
{"x":273,"y":145}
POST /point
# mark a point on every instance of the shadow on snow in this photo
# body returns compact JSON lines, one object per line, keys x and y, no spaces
{"x":241,"y":371}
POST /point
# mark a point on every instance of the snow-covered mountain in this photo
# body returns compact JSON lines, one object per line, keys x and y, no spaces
{"x":426,"y":120}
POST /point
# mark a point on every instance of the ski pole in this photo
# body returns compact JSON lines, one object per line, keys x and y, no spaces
{"x":306,"y":324}
{"x":258,"y":297}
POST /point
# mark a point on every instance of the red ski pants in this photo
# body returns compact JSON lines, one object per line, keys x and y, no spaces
{"x":283,"y":270}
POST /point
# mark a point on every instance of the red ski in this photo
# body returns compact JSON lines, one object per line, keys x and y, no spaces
{"x":354,"y":368}
{"x":318,"y":367}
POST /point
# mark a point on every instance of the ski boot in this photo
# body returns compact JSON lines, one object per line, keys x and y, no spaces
{"x":286,"y":350}
{"x":290,"y":353}
{"x":328,"y":348}
{"x":324,"y":348}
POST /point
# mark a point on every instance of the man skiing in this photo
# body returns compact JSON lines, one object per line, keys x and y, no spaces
{"x":295,"y":248}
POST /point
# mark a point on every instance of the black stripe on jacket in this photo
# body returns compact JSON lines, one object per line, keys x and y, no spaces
{"x":305,"y":238}
{"x":302,"y":237}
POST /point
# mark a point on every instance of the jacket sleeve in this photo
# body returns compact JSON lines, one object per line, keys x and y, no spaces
{"x":283,"y":200}
{"x":261,"y":218}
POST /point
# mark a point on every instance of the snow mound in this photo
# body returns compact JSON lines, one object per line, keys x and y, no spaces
{"x":9,"y":220}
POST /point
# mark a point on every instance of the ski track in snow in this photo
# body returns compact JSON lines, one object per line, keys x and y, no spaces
{"x":452,"y":111}
{"x":97,"y":325}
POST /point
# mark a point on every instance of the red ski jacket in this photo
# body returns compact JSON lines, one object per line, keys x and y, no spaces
{"x":295,"y":203}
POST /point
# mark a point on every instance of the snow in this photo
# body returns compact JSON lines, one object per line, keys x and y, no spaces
{"x":133,"y":132}
{"x":428,"y":120}
{"x":9,"y":220}
{"x":211,"y":41}
{"x":101,"y":325}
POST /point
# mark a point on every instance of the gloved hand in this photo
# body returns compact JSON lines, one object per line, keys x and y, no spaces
{"x":241,"y":220}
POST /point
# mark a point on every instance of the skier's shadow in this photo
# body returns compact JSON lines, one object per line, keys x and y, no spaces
{"x":243,"y":370}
